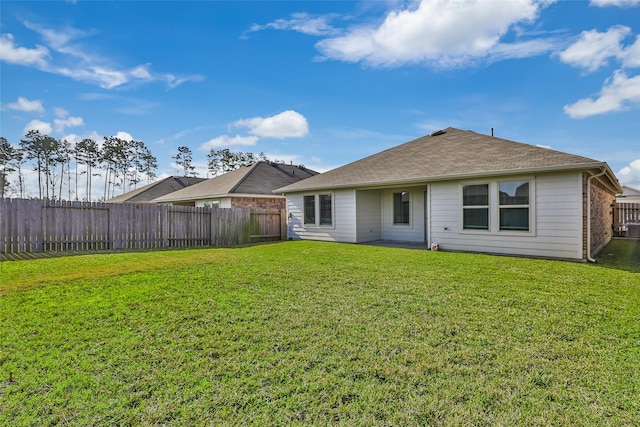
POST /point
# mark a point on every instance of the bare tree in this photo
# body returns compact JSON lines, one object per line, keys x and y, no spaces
{"x":88,"y":153}
{"x":8,"y":157}
{"x":184,"y":158}
{"x":224,"y":160}
{"x":214,"y":162}
{"x":63,"y":158}
{"x":108,"y":158}
{"x":42,"y":149}
{"x":147,"y":163}
{"x":19,"y":161}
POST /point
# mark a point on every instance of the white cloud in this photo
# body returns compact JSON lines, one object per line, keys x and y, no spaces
{"x":79,"y":62}
{"x":438,"y":33}
{"x":105,"y":78}
{"x":141,"y":72}
{"x":42,"y":127}
{"x":60,"y":112}
{"x":13,"y":54}
{"x":631,"y":55}
{"x":75,"y":138}
{"x":173,"y":81}
{"x":522,"y":49}
{"x":23,"y":104}
{"x":303,"y":23}
{"x":618,"y":93}
{"x":288,"y":124}
{"x":125,"y":136}
{"x":228,"y":141}
{"x":61,"y":124}
{"x":618,"y":3}
{"x":593,"y":49}
{"x":630,"y":175}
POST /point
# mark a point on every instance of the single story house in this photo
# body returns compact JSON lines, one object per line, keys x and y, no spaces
{"x":629,"y":195}
{"x":156,"y":189}
{"x":463,"y":191}
{"x":246,"y":187}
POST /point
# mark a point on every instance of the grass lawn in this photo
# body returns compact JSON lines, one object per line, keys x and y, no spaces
{"x":620,"y":253}
{"x":301,"y":333}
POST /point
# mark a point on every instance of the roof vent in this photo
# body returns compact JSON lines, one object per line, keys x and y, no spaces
{"x":437,"y":132}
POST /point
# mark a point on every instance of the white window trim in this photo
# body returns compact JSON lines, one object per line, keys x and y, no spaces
{"x":316,"y":201}
{"x":462,"y":208}
{"x":494,"y":207}
{"x":315,"y":210}
{"x":410,"y":223}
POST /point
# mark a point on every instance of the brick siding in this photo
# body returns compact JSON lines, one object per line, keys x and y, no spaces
{"x":602,"y":200}
{"x":258,"y":202}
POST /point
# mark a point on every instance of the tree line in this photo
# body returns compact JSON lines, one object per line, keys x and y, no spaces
{"x":218,"y":161}
{"x":63,"y":168}
{"x":59,"y":164}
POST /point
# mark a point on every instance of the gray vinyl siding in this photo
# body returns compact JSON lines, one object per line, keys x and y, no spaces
{"x":368,"y":214}
{"x":414,"y":231}
{"x":343,"y":228}
{"x":557,"y":216}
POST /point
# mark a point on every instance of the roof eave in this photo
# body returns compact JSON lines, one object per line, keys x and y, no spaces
{"x":616,"y":186}
{"x":214,"y":196}
{"x":471,"y":175}
{"x":185,"y":199}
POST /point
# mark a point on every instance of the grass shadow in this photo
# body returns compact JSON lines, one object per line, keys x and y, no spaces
{"x":621,"y":254}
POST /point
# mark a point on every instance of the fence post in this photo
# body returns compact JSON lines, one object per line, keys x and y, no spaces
{"x":3,"y":219}
{"x":164,"y":226}
{"x":283,"y":224}
{"x":36,"y":227}
{"x":111,"y":227}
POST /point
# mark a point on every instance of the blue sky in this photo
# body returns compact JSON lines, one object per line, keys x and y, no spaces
{"x":325,"y":83}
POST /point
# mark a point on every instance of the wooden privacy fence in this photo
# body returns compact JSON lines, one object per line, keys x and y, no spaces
{"x":626,"y":219}
{"x":44,"y":225}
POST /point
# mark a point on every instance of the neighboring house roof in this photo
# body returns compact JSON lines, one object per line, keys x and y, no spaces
{"x":629,"y":195}
{"x":448,"y":154}
{"x":629,"y":192}
{"x":258,"y":179}
{"x":156,"y":189}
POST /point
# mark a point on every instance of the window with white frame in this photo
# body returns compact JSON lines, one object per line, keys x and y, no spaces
{"x":475,"y":207}
{"x":497,"y":206}
{"x":514,"y":205}
{"x":401,"y":208}
{"x":326,"y":209}
{"x":310,"y":209}
{"x":318,"y":209}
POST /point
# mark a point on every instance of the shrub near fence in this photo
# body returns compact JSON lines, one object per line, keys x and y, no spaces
{"x":45,"y":225}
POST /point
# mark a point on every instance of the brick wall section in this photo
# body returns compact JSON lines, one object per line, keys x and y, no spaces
{"x":601,"y":215}
{"x":258,"y":202}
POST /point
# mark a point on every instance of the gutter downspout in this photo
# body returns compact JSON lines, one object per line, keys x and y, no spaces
{"x":602,"y":172}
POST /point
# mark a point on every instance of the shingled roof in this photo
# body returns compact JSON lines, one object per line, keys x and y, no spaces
{"x":447,"y":154}
{"x":257,"y":179}
{"x":156,"y":189}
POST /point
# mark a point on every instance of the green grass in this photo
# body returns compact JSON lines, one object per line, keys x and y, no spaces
{"x":304,"y":333}
{"x":623,"y":254}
